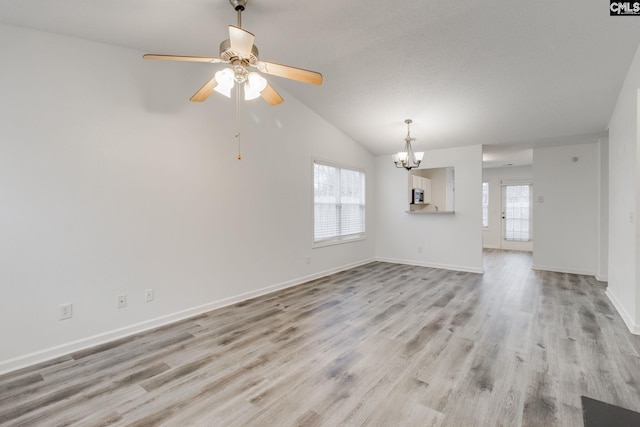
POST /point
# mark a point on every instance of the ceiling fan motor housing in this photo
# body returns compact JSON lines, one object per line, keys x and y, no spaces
{"x":230,"y":55}
{"x":238,"y":5}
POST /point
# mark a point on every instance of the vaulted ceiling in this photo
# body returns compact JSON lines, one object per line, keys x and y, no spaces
{"x":493,"y":72}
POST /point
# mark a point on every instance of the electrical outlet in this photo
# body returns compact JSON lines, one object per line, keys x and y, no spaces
{"x":148,"y":295}
{"x":122,"y":301}
{"x":66,"y":311}
{"x":419,"y":249}
{"x":308,"y":259}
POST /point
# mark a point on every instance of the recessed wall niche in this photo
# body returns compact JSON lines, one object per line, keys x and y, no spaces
{"x":432,"y":190}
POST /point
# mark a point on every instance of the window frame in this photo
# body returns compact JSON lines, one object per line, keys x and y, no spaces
{"x":340,"y":239}
{"x":485,"y":227}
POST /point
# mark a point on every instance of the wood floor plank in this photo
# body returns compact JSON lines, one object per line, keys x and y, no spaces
{"x":380,"y":344}
{"x":445,"y":372}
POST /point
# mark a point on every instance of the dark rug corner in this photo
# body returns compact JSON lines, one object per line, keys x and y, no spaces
{"x":601,"y":414}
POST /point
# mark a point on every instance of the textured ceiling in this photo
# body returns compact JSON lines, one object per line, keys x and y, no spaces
{"x":493,"y":72}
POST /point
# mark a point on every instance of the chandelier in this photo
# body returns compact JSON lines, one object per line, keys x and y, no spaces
{"x":408,"y":159}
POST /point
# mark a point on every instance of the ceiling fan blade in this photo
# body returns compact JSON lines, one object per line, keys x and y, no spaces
{"x":204,"y":92}
{"x":182,"y":58}
{"x":270,"y":95}
{"x":298,"y":74}
{"x":241,"y":40}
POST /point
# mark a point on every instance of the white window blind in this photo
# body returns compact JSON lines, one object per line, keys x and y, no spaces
{"x":485,"y":204}
{"x":339,"y":206}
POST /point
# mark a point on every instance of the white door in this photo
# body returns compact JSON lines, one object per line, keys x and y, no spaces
{"x":517,"y":218}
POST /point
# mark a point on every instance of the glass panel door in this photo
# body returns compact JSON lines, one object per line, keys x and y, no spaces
{"x":516,"y":217}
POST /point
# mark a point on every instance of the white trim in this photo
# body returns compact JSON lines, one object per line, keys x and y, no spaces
{"x":633,"y":328}
{"x":339,"y":240}
{"x":563,"y":270}
{"x":84,"y":343}
{"x":432,"y":265}
{"x":505,"y":182}
{"x":491,"y":247}
{"x":600,"y":278}
{"x":322,"y":161}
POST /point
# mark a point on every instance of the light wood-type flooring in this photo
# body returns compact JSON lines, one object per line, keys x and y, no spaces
{"x":378,"y":345}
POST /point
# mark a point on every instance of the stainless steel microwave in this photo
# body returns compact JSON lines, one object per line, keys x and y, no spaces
{"x":417,"y":196}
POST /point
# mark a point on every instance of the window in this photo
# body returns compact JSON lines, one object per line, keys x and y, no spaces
{"x":485,"y":204}
{"x":517,"y":226}
{"x":338,"y":195}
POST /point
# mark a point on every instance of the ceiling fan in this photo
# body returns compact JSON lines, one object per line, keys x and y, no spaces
{"x":240,"y":52}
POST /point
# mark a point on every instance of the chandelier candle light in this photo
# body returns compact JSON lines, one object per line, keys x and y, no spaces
{"x":408,"y":159}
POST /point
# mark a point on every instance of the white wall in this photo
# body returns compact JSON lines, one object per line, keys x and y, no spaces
{"x":566,"y":223}
{"x":624,"y":198}
{"x":452,"y":241}
{"x":112,"y":182}
{"x":603,"y":242}
{"x":492,"y":236}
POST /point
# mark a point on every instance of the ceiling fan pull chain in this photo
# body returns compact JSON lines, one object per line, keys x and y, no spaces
{"x":238,"y":124}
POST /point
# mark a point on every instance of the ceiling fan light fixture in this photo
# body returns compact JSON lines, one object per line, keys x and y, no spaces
{"x":225,"y":79}
{"x":240,"y":52}
{"x":253,"y":86}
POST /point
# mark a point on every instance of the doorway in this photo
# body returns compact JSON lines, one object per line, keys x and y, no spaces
{"x":517,"y":208}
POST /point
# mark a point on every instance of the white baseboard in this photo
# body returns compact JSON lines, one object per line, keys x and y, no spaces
{"x":602,"y":278}
{"x":563,"y":270}
{"x":432,"y":265}
{"x":491,"y":247}
{"x":628,"y":320}
{"x":84,"y":343}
